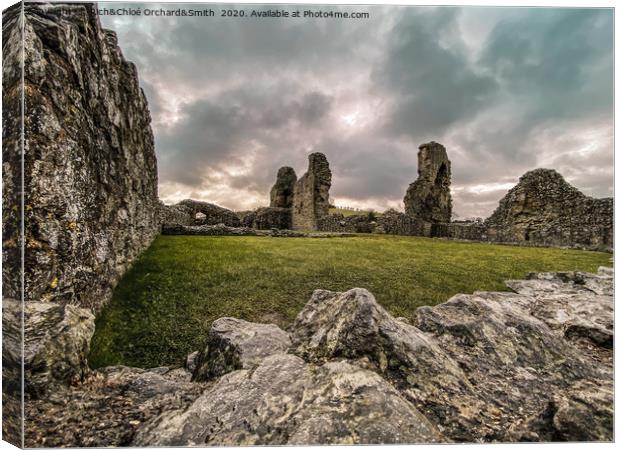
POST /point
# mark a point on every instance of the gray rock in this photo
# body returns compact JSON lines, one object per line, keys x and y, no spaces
{"x":482,"y":367}
{"x":107,"y":408}
{"x":191,"y":362}
{"x":88,"y":142}
{"x":287,"y":401}
{"x":236,"y":344}
{"x":56,"y":342}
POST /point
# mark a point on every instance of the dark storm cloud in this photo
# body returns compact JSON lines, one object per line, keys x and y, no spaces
{"x":506,"y":90}
{"x":435,"y":84}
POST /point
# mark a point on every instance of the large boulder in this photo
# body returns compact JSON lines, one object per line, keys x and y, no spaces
{"x":286,"y":401}
{"x":483,"y":367}
{"x":236,"y":344}
{"x":56,"y":343}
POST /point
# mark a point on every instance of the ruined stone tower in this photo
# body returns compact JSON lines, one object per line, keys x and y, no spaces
{"x":428,"y":198}
{"x":311,"y":193}
{"x":282,"y":192}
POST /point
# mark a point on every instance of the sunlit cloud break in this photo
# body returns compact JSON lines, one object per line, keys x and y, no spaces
{"x":506,"y":90}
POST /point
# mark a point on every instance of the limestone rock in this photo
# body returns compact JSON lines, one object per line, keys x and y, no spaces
{"x":56,"y":342}
{"x":287,"y":401}
{"x":544,"y":209}
{"x":107,"y":408}
{"x":482,"y":367}
{"x":428,"y":198}
{"x":282,"y":192}
{"x":311,"y":194}
{"x":236,"y":344}
{"x":87,"y":143}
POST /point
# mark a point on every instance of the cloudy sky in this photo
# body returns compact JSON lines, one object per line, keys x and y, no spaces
{"x":506,"y":90}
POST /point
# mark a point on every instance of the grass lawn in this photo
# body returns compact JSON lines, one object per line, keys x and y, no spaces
{"x":162,"y":308}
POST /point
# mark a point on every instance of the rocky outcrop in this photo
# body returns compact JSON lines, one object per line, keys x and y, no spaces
{"x":281,"y":195}
{"x":236,"y":344}
{"x":535,"y":364}
{"x":543,"y":209}
{"x":90,"y":173}
{"x":311,"y":194}
{"x":428,"y":198}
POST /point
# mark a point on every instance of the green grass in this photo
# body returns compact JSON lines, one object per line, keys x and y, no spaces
{"x":162,"y":308}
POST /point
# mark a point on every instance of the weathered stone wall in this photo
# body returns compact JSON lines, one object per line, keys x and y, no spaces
{"x":90,"y":171}
{"x":268,"y":218}
{"x":394,"y":222}
{"x":543,"y":209}
{"x":281,"y":195}
{"x":311,"y":194}
{"x":358,"y":223}
{"x":428,"y":198}
{"x":194,"y":212}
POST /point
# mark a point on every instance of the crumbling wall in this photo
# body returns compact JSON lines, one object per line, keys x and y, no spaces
{"x":543,"y":209}
{"x":428,"y":198}
{"x":357,"y":223}
{"x":394,"y":222}
{"x":311,"y":194}
{"x":281,"y":195}
{"x":90,"y":171}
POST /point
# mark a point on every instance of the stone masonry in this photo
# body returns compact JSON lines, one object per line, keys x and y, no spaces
{"x":90,"y":171}
{"x":311,"y":194}
{"x":428,"y":198}
{"x":544,"y":209}
{"x":281,"y":195}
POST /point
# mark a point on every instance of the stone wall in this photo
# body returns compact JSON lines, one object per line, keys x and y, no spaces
{"x":281,"y":195}
{"x":268,"y":218}
{"x":311,"y":194}
{"x":543,"y":209}
{"x":358,"y":223}
{"x":394,"y":222}
{"x":428,"y":198}
{"x":90,"y":171}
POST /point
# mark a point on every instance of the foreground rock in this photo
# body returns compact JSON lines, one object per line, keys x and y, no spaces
{"x":57,"y":340}
{"x":236,"y":344}
{"x":530,"y":365}
{"x":287,"y":401}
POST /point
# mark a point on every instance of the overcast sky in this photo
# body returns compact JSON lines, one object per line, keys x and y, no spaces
{"x":506,"y":90}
